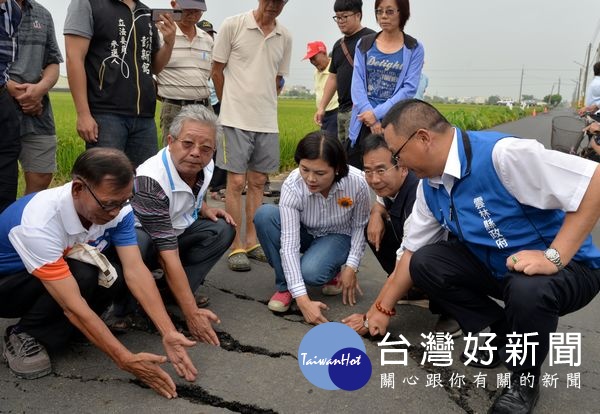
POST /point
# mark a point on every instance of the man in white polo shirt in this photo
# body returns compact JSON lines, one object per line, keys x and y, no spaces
{"x":185,"y":79}
{"x":251,"y":55}
{"x":53,"y":295}
{"x":178,"y":230}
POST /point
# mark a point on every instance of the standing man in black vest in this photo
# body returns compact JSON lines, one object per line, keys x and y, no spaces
{"x":112,"y":52}
{"x":348,"y":16}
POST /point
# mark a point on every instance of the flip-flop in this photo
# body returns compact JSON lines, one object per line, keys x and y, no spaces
{"x":238,"y":261}
{"x":257,"y":253}
{"x":271,"y":193}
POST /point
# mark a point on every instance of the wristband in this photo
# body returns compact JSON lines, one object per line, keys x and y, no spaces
{"x":383,"y":310}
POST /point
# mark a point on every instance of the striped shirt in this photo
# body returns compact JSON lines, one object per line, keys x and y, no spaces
{"x":344,"y":211}
{"x":10,"y":17}
{"x":151,"y":207}
{"x":187,"y":73}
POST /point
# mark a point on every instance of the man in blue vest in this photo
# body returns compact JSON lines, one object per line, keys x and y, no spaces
{"x":395,"y":188}
{"x":520,"y":218}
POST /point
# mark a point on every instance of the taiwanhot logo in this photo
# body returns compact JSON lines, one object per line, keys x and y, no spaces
{"x":332,"y":357}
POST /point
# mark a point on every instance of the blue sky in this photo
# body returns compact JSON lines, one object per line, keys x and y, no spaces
{"x":472,"y":47}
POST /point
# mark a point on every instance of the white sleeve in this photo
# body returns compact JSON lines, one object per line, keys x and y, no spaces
{"x":223,"y":39}
{"x":36,"y":246}
{"x":422,"y":228}
{"x":539,"y":177}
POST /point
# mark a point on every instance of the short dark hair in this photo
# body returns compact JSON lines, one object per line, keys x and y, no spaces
{"x":318,"y":145}
{"x":348,"y":5}
{"x":404,"y":9}
{"x":408,"y":115}
{"x":373,"y":142}
{"x":98,"y":164}
{"x":597,"y":69}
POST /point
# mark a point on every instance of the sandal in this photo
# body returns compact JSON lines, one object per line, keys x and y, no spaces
{"x":218,"y":195}
{"x":238,"y":261}
{"x":257,"y":253}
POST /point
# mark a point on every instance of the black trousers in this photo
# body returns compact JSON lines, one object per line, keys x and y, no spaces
{"x":10,"y":147}
{"x":355,"y":153}
{"x":386,"y":256}
{"x":23,"y":295}
{"x":462,"y":286}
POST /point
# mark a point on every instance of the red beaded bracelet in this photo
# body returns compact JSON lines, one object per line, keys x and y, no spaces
{"x":383,"y":310}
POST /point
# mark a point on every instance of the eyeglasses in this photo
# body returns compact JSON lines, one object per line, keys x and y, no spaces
{"x":105,"y":207}
{"x":397,"y":153}
{"x":189,"y":145}
{"x":380,"y":172}
{"x":342,"y":18}
{"x":387,"y":12}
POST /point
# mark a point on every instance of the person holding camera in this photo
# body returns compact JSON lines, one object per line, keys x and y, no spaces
{"x":112,"y":52}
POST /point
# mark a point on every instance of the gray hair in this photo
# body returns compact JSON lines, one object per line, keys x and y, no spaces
{"x":198,"y":113}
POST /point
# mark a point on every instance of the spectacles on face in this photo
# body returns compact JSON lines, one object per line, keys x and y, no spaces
{"x":342,"y":18}
{"x":397,"y":153}
{"x":380,"y":172}
{"x":189,"y":145}
{"x":105,"y":207}
{"x":387,"y":12}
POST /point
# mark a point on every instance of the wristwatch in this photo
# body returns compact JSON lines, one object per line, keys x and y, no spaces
{"x":553,"y":255}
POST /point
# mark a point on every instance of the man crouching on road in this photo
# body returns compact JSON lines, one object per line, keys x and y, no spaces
{"x":179,"y":232}
{"x":521,"y":218}
{"x":54,"y":294}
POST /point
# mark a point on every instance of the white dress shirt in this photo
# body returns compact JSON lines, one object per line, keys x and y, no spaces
{"x":535,"y":176}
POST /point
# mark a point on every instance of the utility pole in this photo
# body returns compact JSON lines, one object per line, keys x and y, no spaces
{"x":587,"y":65}
{"x":579,"y":87}
{"x":521,"y":87}
{"x":558,"y":87}
{"x":550,"y":96}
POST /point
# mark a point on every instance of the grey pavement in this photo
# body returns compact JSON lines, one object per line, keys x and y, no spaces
{"x":255,"y":370}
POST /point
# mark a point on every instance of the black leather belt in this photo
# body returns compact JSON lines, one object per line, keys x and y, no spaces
{"x":184,"y":102}
{"x":333,"y":111}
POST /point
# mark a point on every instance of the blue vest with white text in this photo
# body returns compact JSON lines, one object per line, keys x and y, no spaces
{"x":487,"y":218}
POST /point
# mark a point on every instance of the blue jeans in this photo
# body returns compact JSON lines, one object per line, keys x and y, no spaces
{"x":329,"y":123}
{"x":322,"y":256}
{"x":135,"y":136}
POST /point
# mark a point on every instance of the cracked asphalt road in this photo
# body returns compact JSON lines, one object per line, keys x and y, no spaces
{"x":255,"y":370}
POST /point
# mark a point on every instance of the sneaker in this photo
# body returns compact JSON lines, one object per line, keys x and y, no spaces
{"x":25,"y":356}
{"x":415,"y":298}
{"x":331,"y":288}
{"x":448,"y":324}
{"x":280,"y":301}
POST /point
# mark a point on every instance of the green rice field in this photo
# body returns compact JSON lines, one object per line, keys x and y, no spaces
{"x":295,"y":121}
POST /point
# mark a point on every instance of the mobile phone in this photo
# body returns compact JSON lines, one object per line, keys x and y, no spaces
{"x":597,"y":139}
{"x":175,"y":14}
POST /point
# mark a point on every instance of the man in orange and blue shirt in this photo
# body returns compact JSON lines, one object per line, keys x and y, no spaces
{"x":52,"y":294}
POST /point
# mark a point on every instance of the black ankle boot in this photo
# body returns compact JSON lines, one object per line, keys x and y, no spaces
{"x":517,"y":399}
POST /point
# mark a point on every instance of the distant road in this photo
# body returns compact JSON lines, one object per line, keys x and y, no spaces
{"x":535,"y":127}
